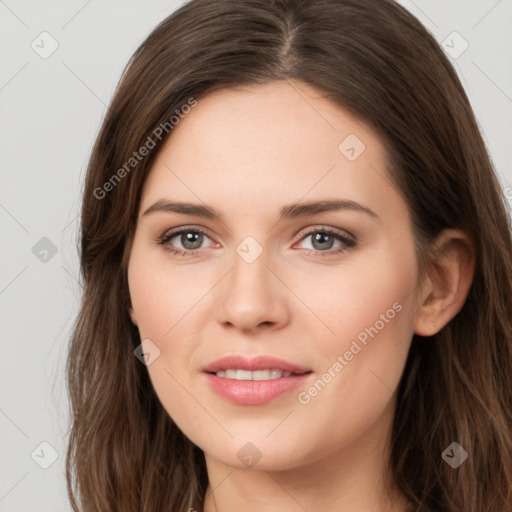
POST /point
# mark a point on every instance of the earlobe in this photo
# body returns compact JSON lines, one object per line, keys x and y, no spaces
{"x":132,"y":315}
{"x":448,"y":283}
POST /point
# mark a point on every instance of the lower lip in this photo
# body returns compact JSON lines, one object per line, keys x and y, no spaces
{"x":254,"y":392}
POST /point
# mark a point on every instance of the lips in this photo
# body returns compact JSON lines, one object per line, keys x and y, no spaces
{"x":233,"y":378}
{"x":254,"y":364}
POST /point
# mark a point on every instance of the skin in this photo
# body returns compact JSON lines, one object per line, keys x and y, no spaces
{"x":247,"y":152}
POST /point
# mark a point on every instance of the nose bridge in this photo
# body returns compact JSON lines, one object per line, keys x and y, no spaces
{"x":250,"y":266}
{"x":252,"y":294}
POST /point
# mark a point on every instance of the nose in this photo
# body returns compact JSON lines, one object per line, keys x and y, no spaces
{"x":253,"y":296}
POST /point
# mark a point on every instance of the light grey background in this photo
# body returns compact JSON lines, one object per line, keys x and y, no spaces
{"x":51,"y":109}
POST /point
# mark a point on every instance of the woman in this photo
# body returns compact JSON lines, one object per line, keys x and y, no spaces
{"x":218,"y":363}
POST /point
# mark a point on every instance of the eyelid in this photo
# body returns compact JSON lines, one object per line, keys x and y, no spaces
{"x":323,"y":227}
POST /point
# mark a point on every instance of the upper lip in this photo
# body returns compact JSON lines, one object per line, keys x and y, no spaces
{"x":253,"y":364}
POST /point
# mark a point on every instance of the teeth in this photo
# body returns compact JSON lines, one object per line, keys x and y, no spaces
{"x":261,"y":375}
{"x":243,"y":375}
{"x":256,"y":375}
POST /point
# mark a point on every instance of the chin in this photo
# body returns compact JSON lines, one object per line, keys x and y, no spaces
{"x":279,"y":454}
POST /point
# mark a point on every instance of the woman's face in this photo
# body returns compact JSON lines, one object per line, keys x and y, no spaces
{"x":331,"y":292}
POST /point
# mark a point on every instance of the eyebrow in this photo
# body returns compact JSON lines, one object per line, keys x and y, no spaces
{"x":289,"y":211}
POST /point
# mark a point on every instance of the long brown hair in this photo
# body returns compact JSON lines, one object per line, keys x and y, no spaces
{"x":376,"y":60}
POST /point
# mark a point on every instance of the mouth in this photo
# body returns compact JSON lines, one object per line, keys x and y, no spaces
{"x":254,"y":381}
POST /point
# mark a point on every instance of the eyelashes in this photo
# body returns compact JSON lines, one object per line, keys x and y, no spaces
{"x":347,"y":242}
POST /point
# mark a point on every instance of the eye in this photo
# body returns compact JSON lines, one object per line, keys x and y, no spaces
{"x":191,"y":240}
{"x":323,"y":240}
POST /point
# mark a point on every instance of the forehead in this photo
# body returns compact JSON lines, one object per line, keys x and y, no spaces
{"x":284,"y":118}
{"x":270,"y":144}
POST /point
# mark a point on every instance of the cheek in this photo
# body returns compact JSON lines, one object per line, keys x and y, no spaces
{"x":374,"y":292}
{"x":369,"y":309}
{"x":161,"y":292}
{"x":163,"y":304}
{"x":371,"y":313}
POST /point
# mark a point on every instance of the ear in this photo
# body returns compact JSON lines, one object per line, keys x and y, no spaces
{"x":447,"y":285}
{"x":132,"y":315}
